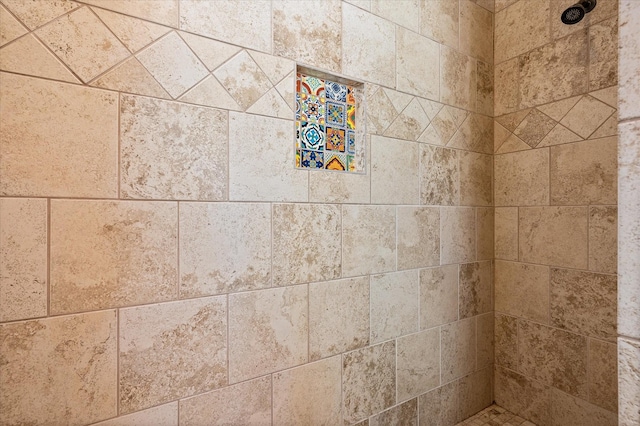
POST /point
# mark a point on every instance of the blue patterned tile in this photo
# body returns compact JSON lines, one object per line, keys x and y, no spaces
{"x":312,"y":109}
{"x":336,"y":91}
{"x":312,"y":159}
{"x":351,"y":142}
{"x":311,"y":136}
{"x":336,"y":114}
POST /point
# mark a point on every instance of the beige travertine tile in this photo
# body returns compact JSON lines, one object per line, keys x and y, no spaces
{"x":165,"y":12}
{"x":130,"y":76}
{"x":519,"y":394}
{"x":534,"y":128}
{"x":567,"y":410}
{"x":220,"y":20}
{"x":155,"y":339}
{"x":295,"y":402}
{"x":403,"y":414}
{"x":554,"y":71}
{"x":522,"y":178}
{"x":522,"y":290}
{"x":133,"y":33}
{"x":444,"y":124}
{"x":439,"y":20}
{"x":629,"y":377}
{"x":369,"y":240}
{"x":245,"y":403}
{"x":485,"y":229}
{"x":212,"y":53}
{"x":410,"y":124}
{"x":520,"y":28}
{"x":243,"y":79}
{"x":457,"y":79}
{"x":363,"y":4}
{"x":112,"y":253}
{"x":558,"y":109}
{"x":501,"y":4}
{"x":394,"y":171}
{"x":173,"y":64}
{"x":608,"y":128}
{"x":23,"y":258}
{"x":10,"y":27}
{"x":84,"y":43}
{"x":484,"y":94}
{"x":255,"y":144}
{"x":457,"y":235}
{"x":36,"y":14}
{"x":506,"y":87}
{"x":338,"y":316}
{"x":418,"y":363}
{"x":380,"y":110}
{"x":506,"y":341}
{"x":603,"y":54}
{"x":559,"y":135}
{"x":587,"y":115}
{"x":297,"y":37}
{"x":368,"y":381}
{"x":475,"y":392}
{"x":403,"y":12}
{"x":475,"y":134}
{"x":439,"y":176}
{"x":28,"y":56}
{"x":276,"y":68}
{"x":417,"y":62}
{"x":71,"y":132}
{"x":475,"y":289}
{"x":458,"y":353}
{"x":506,"y":233}
{"x":628,"y":60}
{"x":224,"y":248}
{"x":512,"y":121}
{"x":418,"y":236}
{"x":186,"y":158}
{"x":554,"y":357}
{"x":209,"y":92}
{"x":438,"y":296}
{"x":162,"y":415}
{"x":603,"y":239}
{"x":61,"y":370}
{"x":367,"y":42}
{"x":271,"y":104}
{"x":476,"y":176}
{"x":268,"y":331}
{"x":584,"y":302}
{"x":308,"y":243}
{"x":485,"y":344}
{"x":439,"y":406}
{"x":553,"y":236}
{"x":476,"y":31}
{"x":603,"y":374}
{"x":394,"y":305}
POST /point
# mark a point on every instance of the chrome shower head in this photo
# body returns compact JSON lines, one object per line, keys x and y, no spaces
{"x":575,"y":13}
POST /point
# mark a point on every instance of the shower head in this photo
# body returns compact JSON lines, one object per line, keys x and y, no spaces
{"x":575,"y":13}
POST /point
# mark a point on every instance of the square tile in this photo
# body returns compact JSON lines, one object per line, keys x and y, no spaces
{"x":310,"y":108}
{"x":311,"y":85}
{"x":335,"y":139}
{"x":351,"y":142}
{"x":311,"y":159}
{"x":438,"y":296}
{"x":394,"y":171}
{"x":440,"y":405}
{"x":522,"y":290}
{"x":335,"y":161}
{"x":336,"y":114}
{"x":336,"y":91}
{"x":403,"y":414}
{"x":418,"y":363}
{"x":458,"y":349}
{"x":394,"y":305}
{"x":311,"y":136}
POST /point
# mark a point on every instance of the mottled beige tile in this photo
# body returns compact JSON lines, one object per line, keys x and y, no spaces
{"x":133,"y":33}
{"x":36,"y":14}
{"x":519,"y":394}
{"x":439,"y":176}
{"x":438,"y":296}
{"x":485,"y":340}
{"x":559,"y":135}
{"x":534,"y":128}
{"x":586,"y":116}
{"x":603,"y":54}
{"x":186,"y":158}
{"x":608,"y":128}
{"x":418,"y":366}
{"x":10,"y":27}
{"x":605,"y":9}
{"x":245,"y":403}
{"x":130,"y":76}
{"x":418,"y":235}
{"x":476,"y":176}
{"x":629,"y":378}
{"x":440,"y":406}
{"x":405,"y":13}
{"x":162,"y":415}
{"x":369,"y":240}
{"x":268,"y":331}
{"x":296,"y":403}
{"x":458,"y":353}
{"x":475,"y":392}
{"x":165,"y":12}
{"x":457,"y":235}
{"x":445,"y":124}
{"x":71,"y":132}
{"x":558,"y":109}
{"x":212,"y":53}
{"x":368,"y":381}
{"x":243,"y":79}
{"x":567,"y":410}
{"x":457,"y":79}
{"x":475,"y":289}
{"x":276,"y":68}
{"x":23,"y":258}
{"x":439,"y":20}
{"x":475,"y":134}
{"x":338,"y":316}
{"x":271,"y":104}
{"x":403,"y":414}
{"x":224,"y":248}
{"x":603,"y":239}
{"x":209,"y":92}
{"x":522,"y":178}
{"x":553,"y":236}
{"x":394,"y":171}
{"x":485,"y":227}
{"x":367,"y":42}
{"x":255,"y":144}
{"x":506,"y":87}
{"x":520,"y":28}
{"x":112,"y":253}
{"x":628,"y":59}
{"x":522,"y":290}
{"x":506,"y":233}
{"x":484,"y":93}
{"x":506,"y":341}
{"x":476,"y":31}
{"x":59,"y":370}
{"x":603,"y":374}
{"x":417,"y":62}
{"x":394,"y":305}
{"x":220,"y":20}
{"x":410,"y":123}
{"x":511,"y":121}
{"x":380,"y":110}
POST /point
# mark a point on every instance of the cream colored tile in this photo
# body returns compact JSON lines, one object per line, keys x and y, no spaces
{"x":444,"y":124}
{"x":224,"y":248}
{"x":603,"y":374}
{"x":286,"y":89}
{"x":485,"y":340}
{"x":220,"y":20}
{"x":275,"y":67}
{"x":133,"y":33}
{"x":506,"y":233}
{"x":628,"y":60}
{"x":457,"y":79}
{"x":369,"y":237}
{"x":603,"y":239}
{"x":173,"y":64}
{"x":458,"y":349}
{"x":410,"y":124}
{"x":475,"y":392}
{"x":112,"y":253}
{"x":557,"y":110}
{"x":476,"y":176}
{"x":559,"y":135}
{"x":165,"y":12}
{"x":567,"y":410}
{"x":485,"y":228}
{"x":603,"y":54}
{"x":36,"y":14}
{"x":154,"y":160}
{"x":522,"y":290}
{"x":368,"y":41}
{"x":520,"y":28}
{"x":457,"y":235}
{"x":584,"y":172}
{"x":431,"y":108}
{"x":534,"y":128}
{"x":475,"y":134}
{"x":484,"y":94}
{"x":162,"y":415}
{"x":440,"y":405}
{"x":363,"y":4}
{"x":296,"y":403}
{"x":519,"y":394}
{"x":394,"y":305}
{"x":586,"y":116}
{"x":405,"y":13}
{"x":506,"y":91}
{"x":476,"y":31}
{"x":255,"y":144}
{"x":380,"y":110}
{"x":628,"y":367}
{"x":475,"y":289}
{"x":308,"y":245}
{"x":439,"y":20}
{"x":394,"y":171}
{"x":506,"y":342}
{"x":268,"y":331}
{"x":439,"y":176}
{"x":71,"y":132}
{"x":522,"y":178}
{"x":209,"y":92}
{"x":131,"y":77}
{"x":10,"y":27}
{"x":83,"y":42}
{"x":403,"y":414}
{"x":418,"y":237}
{"x":431,"y":136}
{"x":608,"y":128}
{"x":418,"y":366}
{"x":438,"y":296}
{"x":338,"y":316}
{"x":52,"y":367}
{"x":212,"y":53}
{"x":245,"y":403}
{"x":368,"y":381}
{"x":23,"y":259}
{"x":243,"y":79}
{"x":417,"y":62}
{"x":553,"y":236}
{"x":513,"y":120}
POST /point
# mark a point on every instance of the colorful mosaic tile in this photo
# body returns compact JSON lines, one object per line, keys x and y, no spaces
{"x":312,"y":159}
{"x":335,"y":139}
{"x":351,"y":96}
{"x":335,"y":161}
{"x":310,"y":108}
{"x":336,"y":91}
{"x":351,"y":142}
{"x":352,"y":165}
{"x":311,"y":85}
{"x":311,"y":136}
{"x":336,"y":114}
{"x":351,"y":117}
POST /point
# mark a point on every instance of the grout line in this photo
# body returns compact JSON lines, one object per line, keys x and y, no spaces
{"x":48,"y":224}
{"x":118,"y":408}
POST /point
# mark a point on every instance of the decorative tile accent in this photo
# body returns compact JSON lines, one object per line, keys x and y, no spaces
{"x":10,"y":28}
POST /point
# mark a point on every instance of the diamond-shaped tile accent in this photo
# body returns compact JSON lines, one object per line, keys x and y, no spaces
{"x":210,"y":92}
{"x":559,"y":109}
{"x":243,"y":79}
{"x":398,"y":99}
{"x":274,"y":67}
{"x":380,"y":112}
{"x":609,"y":96}
{"x":513,"y":144}
{"x":500,"y":134}
{"x":587,"y":115}
{"x":559,"y":135}
{"x":445,"y":125}
{"x":212,"y":52}
{"x":410,"y":123}
{"x":131,"y":77}
{"x":431,"y":136}
{"x":534,"y":128}
{"x":10,"y":28}
{"x":608,"y":128}
{"x":431,"y":108}
{"x":511,"y":121}
{"x":475,"y":134}
{"x":133,"y":33}
{"x":34,"y":14}
{"x":271,"y":104}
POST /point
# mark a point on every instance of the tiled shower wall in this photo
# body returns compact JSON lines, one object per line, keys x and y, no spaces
{"x":556,"y":213}
{"x":162,"y":259}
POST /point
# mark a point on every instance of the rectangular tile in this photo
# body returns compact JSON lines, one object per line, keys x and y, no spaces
{"x":418,"y":368}
{"x":567,"y":410}
{"x":440,"y":405}
{"x":522,"y":178}
{"x":438,"y":296}
{"x":458,"y":349}
{"x":519,"y":394}
{"x":603,"y":239}
{"x":394,"y":305}
{"x":394,"y":171}
{"x":403,"y":414}
{"x":506,"y":341}
{"x":603,"y":374}
{"x":522,"y":290}
{"x":457,"y":235}
{"x":475,"y":392}
{"x":162,"y":415}
{"x":506,"y":233}
{"x":418,"y":237}
{"x":475,"y":286}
